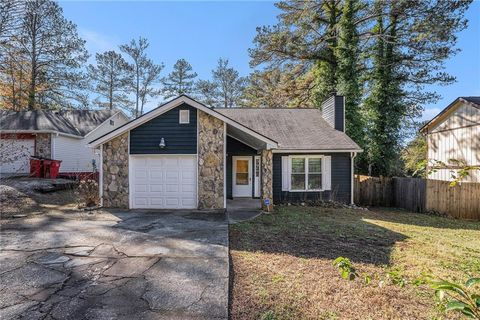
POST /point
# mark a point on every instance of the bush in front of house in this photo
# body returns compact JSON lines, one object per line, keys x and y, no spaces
{"x":88,"y":192}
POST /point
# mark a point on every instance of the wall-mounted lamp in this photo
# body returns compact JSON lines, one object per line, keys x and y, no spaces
{"x":162,"y":143}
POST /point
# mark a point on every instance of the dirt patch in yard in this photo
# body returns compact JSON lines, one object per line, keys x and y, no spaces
{"x":19,"y":197}
{"x":283,"y":263}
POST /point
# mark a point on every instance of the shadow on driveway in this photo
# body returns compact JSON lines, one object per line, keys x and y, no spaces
{"x":117,"y":264}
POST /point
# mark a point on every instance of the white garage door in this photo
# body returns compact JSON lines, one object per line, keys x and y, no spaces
{"x":15,"y":155}
{"x":163,"y":182}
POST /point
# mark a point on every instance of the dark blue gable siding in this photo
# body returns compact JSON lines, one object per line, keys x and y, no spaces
{"x":341,"y":182}
{"x":179,"y":138}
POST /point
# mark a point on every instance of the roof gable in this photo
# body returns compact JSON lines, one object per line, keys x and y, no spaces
{"x":473,"y":102}
{"x":183,"y":99}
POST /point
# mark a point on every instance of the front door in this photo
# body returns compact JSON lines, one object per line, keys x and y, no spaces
{"x":242,"y":177}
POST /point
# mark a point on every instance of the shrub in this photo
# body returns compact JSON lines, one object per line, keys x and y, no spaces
{"x":459,"y":297}
{"x":88,"y":192}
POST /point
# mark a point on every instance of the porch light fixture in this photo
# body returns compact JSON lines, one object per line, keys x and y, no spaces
{"x":162,"y":143}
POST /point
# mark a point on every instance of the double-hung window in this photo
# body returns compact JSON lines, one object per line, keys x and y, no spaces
{"x":306,"y":173}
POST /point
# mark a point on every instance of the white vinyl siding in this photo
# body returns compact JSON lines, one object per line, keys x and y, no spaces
{"x":457,"y":137}
{"x":75,"y":154}
{"x":302,"y":173}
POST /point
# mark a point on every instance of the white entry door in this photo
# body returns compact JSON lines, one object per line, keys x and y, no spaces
{"x":242,"y":177}
{"x":163,"y":182}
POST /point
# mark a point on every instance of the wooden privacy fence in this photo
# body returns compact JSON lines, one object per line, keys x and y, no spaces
{"x":419,"y":195}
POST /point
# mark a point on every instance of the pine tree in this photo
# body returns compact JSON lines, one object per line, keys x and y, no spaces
{"x":348,"y":70}
{"x":326,"y":71}
{"x":145,"y":73}
{"x":112,"y":76}
{"x":226,"y":88}
{"x":288,"y":86}
{"x":180,"y":80}
{"x":385,"y":104}
{"x":42,"y":50}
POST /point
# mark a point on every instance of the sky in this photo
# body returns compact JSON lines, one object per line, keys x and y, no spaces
{"x":202,"y":32}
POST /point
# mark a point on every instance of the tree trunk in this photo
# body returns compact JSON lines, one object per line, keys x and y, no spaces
{"x":33,"y":74}
{"x":137,"y":92}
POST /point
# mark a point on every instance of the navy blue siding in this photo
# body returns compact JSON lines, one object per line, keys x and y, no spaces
{"x":341,"y":182}
{"x":235,"y":148}
{"x":179,"y":138}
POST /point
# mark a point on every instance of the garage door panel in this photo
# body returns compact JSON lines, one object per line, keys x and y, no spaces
{"x":161,"y":181}
{"x":156,"y":188}
{"x":171,"y":162}
{"x":154,"y":201}
{"x":156,"y":174}
{"x":140,"y":188}
{"x":187,"y":188}
{"x":172,"y":202}
{"x":188,"y":202}
{"x":140,"y":173}
{"x":139,"y":201}
{"x":171,"y":188}
{"x":172,"y":175}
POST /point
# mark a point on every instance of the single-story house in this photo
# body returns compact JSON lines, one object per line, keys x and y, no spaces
{"x":454,"y":134}
{"x":184,"y":154}
{"x":60,"y":135}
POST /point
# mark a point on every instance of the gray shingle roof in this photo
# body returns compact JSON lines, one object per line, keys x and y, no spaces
{"x":293,"y":129}
{"x":475,"y":100}
{"x":73,"y":122}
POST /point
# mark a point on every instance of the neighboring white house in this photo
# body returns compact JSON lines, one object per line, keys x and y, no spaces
{"x":454,"y":134}
{"x":59,"y":135}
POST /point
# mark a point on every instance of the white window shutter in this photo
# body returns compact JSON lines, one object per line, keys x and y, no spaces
{"x":285,"y":173}
{"x":327,"y":173}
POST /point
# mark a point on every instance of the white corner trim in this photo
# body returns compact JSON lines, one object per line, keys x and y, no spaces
{"x":100,"y":177}
{"x":352,"y":173}
{"x":198,"y":155}
{"x":224,"y":165}
{"x":171,"y":105}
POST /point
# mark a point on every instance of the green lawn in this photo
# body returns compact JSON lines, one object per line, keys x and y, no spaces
{"x":282,"y":263}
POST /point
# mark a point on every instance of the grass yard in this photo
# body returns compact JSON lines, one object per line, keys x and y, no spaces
{"x":282,"y":263}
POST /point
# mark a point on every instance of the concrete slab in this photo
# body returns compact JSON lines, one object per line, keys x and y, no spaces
{"x":120,"y":265}
{"x":243,"y":209}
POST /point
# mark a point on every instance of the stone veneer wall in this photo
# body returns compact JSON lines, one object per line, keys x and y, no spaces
{"x":267,"y":178}
{"x":211,"y":150}
{"x":43,"y":145}
{"x":115,"y":172}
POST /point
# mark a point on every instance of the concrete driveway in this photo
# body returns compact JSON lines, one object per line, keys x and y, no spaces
{"x":116,"y":265}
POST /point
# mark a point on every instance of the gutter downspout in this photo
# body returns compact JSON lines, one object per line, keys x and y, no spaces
{"x":352,"y":157}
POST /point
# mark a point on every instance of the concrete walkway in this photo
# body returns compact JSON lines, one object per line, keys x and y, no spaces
{"x":117,"y":265}
{"x":242,"y":209}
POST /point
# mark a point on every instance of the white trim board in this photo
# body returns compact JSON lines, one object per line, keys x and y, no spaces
{"x":293,"y":151}
{"x":271,"y":144}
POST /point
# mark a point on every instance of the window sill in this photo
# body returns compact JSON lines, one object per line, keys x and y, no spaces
{"x":313,"y":190}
